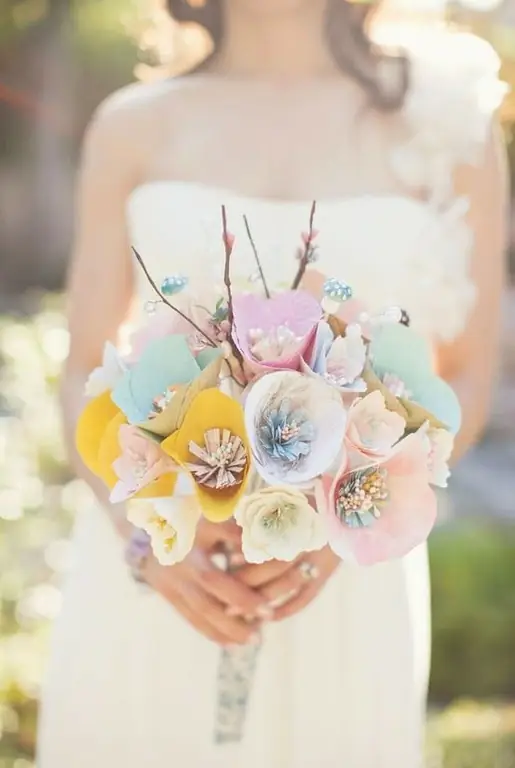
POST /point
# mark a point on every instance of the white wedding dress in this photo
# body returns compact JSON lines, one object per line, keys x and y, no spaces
{"x":343,"y":683}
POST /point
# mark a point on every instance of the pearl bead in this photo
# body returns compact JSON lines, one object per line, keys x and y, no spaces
{"x":173,"y":284}
{"x":150,"y":307}
{"x":337,"y":290}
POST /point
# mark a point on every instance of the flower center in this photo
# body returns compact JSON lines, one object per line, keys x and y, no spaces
{"x":221,"y":460}
{"x":170,"y":543}
{"x":278,"y":517}
{"x":360,"y":497}
{"x":286,"y":434}
{"x":159,"y":522}
{"x":277,"y":343}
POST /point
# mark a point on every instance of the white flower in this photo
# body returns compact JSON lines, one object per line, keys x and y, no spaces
{"x":296,"y":427}
{"x":346,"y":359}
{"x":373,"y":430}
{"x":170,"y":523}
{"x":278,"y":523}
{"x":108,"y":374}
{"x":441,"y":444}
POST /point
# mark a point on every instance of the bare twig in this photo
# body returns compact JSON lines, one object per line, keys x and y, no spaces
{"x":304,"y":259}
{"x":228,"y":246}
{"x":169,"y":304}
{"x":256,"y":257}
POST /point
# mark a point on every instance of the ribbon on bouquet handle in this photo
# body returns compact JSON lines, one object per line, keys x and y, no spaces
{"x":236,"y":670}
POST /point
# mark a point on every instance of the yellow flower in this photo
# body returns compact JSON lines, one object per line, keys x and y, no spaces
{"x":212,"y":445}
{"x":97,"y":443}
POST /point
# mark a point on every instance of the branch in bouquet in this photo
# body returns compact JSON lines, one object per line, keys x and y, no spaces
{"x":256,"y":257}
{"x":308,"y":249}
{"x":228,"y":246}
{"x":168,"y":303}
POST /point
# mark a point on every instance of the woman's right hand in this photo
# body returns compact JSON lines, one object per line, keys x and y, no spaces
{"x":213,"y":601}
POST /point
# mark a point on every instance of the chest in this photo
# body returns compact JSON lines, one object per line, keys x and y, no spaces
{"x":283,"y":142}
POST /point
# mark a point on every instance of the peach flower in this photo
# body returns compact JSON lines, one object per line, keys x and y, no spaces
{"x":141,"y":463}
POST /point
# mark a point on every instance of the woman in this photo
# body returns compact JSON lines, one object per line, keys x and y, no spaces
{"x":294,"y":104}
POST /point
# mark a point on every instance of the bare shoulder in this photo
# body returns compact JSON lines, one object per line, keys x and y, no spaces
{"x":128,"y":123}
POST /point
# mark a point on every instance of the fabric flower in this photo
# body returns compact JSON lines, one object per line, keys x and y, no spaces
{"x":296,"y":426}
{"x":339,"y":360}
{"x":381,"y":512}
{"x":164,"y":367}
{"x":278,"y":523}
{"x":275,"y":333}
{"x":441,"y":444}
{"x":106,"y":376}
{"x":212,"y":446}
{"x":141,"y":463}
{"x":170,"y":523}
{"x":397,"y":351}
{"x":372,"y":430}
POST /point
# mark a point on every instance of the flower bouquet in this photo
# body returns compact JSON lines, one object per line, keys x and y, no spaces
{"x":305,"y":418}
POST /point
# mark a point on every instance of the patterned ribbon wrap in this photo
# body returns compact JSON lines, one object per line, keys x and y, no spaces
{"x":236,"y":670}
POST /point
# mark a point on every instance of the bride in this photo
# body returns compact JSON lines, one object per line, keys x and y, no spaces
{"x":397,"y":142}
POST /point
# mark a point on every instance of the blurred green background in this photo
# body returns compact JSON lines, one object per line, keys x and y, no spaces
{"x":57,"y":61}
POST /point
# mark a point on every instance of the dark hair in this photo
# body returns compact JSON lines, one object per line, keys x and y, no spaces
{"x":383,"y":75}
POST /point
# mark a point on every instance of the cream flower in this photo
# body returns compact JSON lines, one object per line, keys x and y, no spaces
{"x":441,"y":444}
{"x":170,"y":523}
{"x":373,"y":430}
{"x":108,"y":374}
{"x":278,"y":523}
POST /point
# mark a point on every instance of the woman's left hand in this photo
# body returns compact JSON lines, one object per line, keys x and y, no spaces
{"x":290,"y":587}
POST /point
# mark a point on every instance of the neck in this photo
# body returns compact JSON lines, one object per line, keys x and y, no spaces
{"x":274,"y":43}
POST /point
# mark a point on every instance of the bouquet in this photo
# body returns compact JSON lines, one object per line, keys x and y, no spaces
{"x":307,"y":419}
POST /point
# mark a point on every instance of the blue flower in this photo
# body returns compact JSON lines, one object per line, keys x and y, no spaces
{"x":286,"y":434}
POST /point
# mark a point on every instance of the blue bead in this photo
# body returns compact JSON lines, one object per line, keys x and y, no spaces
{"x":337,"y":290}
{"x":173,"y":284}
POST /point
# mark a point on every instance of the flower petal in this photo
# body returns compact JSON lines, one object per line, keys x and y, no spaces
{"x":91,"y":426}
{"x":210,"y":409}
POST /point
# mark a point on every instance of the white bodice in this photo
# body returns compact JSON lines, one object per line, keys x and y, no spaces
{"x":392,"y":250}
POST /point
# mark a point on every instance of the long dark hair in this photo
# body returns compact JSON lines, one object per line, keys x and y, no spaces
{"x":383,"y":75}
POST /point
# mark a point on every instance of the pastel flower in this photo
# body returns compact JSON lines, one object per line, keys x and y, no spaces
{"x":372,"y":430}
{"x":441,"y":445}
{"x":339,"y":360}
{"x":91,"y":427}
{"x":383,"y":511}
{"x":278,"y":523}
{"x":106,"y":376}
{"x":165,"y":366}
{"x":275,"y":333}
{"x":141,"y":463}
{"x":212,"y":446}
{"x":296,"y":427}
{"x":170,"y":523}
{"x":397,"y":351}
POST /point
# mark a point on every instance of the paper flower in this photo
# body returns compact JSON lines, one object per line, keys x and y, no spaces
{"x":441,"y":444}
{"x":165,"y":365}
{"x":141,"y":463}
{"x":91,"y":427}
{"x":278,"y":523}
{"x":381,"y":512}
{"x":276,"y":332}
{"x":106,"y":376}
{"x":212,"y":446}
{"x":397,"y":351}
{"x":338,"y":360}
{"x":372,"y":430}
{"x":170,"y":523}
{"x":295,"y":425}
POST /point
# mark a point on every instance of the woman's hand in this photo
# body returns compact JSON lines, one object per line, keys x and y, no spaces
{"x":211,"y":600}
{"x":289,"y":587}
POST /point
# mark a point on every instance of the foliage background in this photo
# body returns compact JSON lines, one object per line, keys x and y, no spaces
{"x":57,"y":61}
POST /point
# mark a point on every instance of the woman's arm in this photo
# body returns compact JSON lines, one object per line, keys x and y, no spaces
{"x":99,"y":301}
{"x":470,"y":363}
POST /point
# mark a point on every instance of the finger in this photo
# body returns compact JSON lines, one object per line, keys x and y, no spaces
{"x":235,"y":629}
{"x":198,"y":621}
{"x":256,"y":576}
{"x":227,"y":589}
{"x":285,"y":587}
{"x":209,"y":535}
{"x":299,"y":602}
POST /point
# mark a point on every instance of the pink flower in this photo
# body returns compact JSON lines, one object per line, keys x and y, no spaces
{"x":277,"y":332}
{"x":372,"y":430}
{"x":383,"y":511}
{"x":141,"y":463}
